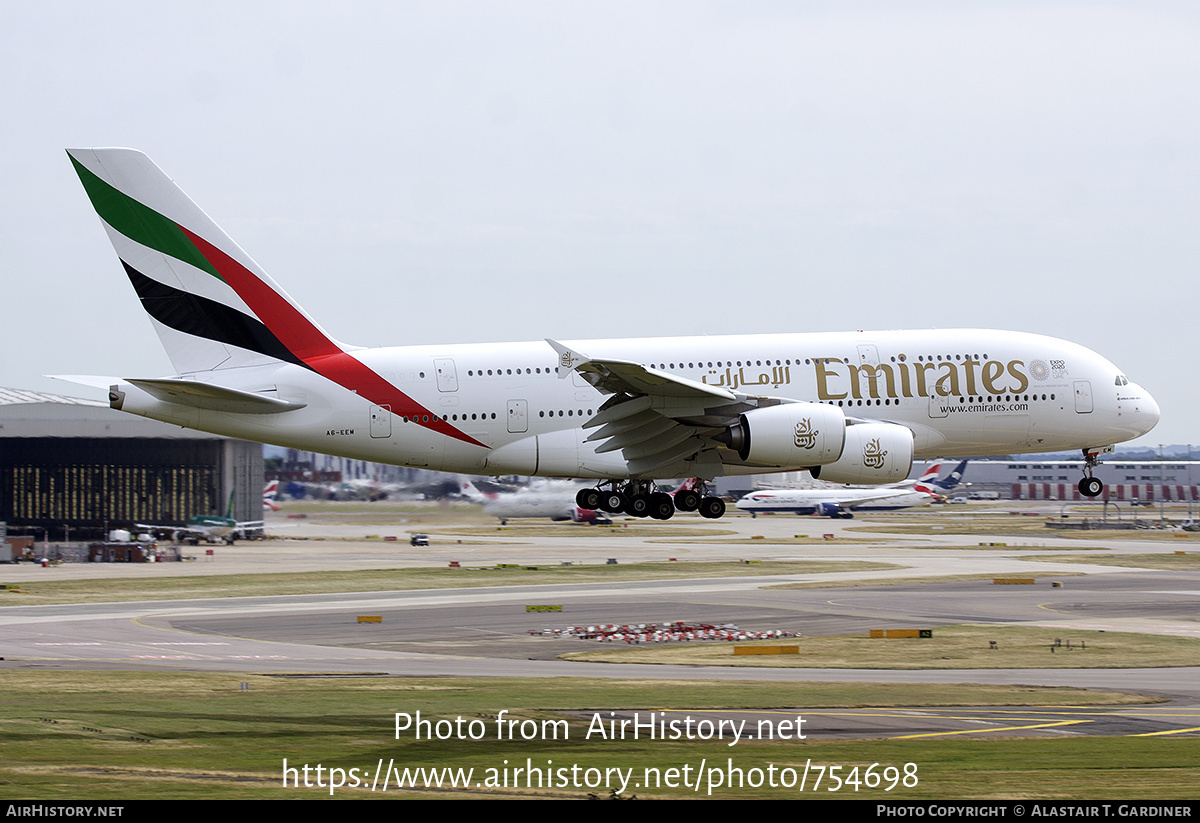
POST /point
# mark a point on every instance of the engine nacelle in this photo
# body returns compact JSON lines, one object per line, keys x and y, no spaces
{"x":874,"y":453}
{"x":790,"y":435}
{"x":829,"y":509}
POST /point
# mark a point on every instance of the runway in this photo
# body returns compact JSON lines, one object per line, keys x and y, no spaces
{"x":485,"y":632}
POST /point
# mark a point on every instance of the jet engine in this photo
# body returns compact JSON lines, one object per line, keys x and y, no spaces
{"x":834,"y":510}
{"x":797,"y":435}
{"x":874,"y":453}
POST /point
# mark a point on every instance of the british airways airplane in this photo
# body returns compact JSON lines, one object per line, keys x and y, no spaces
{"x":849,"y":407}
{"x":840,"y":502}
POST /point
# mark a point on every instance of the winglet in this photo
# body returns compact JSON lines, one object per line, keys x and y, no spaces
{"x":568,"y":359}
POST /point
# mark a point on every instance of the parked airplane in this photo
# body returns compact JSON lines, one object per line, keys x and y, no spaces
{"x":554,"y":502}
{"x":850,"y":407}
{"x":209,"y":528}
{"x":839,"y":502}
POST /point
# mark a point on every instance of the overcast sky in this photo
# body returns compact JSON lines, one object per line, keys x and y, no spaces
{"x":460,"y":172}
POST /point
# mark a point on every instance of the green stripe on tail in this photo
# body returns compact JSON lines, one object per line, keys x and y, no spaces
{"x":140,"y":223}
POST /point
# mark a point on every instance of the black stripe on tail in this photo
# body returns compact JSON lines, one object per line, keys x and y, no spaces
{"x":202,"y":317}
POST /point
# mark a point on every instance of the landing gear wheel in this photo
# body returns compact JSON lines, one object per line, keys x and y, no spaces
{"x":612,"y":502}
{"x":588,"y":499}
{"x":637,"y":505}
{"x":687,"y":500}
{"x":1089,"y":486}
{"x":712,"y":507}
{"x":661,"y":506}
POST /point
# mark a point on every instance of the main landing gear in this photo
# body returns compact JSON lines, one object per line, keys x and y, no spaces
{"x":1090,"y":486}
{"x":640,"y":498}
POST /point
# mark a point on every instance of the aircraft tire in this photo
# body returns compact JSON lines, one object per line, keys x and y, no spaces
{"x":637,"y":505}
{"x":662,"y":507}
{"x":687,"y":500}
{"x":588,"y":499}
{"x":712,"y":508}
{"x":1091,"y":487}
{"x":612,"y":502}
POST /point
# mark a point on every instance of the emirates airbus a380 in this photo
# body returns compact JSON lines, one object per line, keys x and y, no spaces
{"x":850,"y":407}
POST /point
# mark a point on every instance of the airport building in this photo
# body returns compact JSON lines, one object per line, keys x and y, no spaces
{"x":71,"y":467}
{"x":1144,"y":481}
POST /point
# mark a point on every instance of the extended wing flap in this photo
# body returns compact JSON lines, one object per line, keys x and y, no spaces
{"x":650,"y":431}
{"x":657,"y":420}
{"x":662,"y":459}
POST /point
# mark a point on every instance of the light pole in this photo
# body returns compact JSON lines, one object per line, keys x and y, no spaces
{"x":1162,"y":503}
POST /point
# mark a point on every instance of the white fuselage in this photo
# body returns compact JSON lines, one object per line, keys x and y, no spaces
{"x":827,"y":501}
{"x":961,"y":392}
{"x":536,"y":504}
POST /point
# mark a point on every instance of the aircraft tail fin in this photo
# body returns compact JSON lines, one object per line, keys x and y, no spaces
{"x":928,"y":479}
{"x":470,"y":491}
{"x":270,"y":495}
{"x":930,"y":473}
{"x":954,"y":478}
{"x":212,"y":306}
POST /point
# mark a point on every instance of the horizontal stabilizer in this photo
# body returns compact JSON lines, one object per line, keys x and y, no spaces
{"x":214,"y":398}
{"x":96,"y":381}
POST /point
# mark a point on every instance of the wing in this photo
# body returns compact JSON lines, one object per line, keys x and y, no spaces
{"x":883,"y":494}
{"x":162,"y":532}
{"x":663,"y":425}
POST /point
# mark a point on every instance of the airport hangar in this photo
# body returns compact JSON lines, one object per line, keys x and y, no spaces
{"x":71,"y":467}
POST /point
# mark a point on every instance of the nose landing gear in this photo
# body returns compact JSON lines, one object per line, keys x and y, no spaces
{"x":1091,"y":486}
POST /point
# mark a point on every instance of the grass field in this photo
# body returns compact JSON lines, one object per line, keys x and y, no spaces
{"x":115,"y":736}
{"x":260,"y":585}
{"x":112,"y":736}
{"x":950,"y":647}
{"x":999,"y":523}
{"x":1165,"y":562}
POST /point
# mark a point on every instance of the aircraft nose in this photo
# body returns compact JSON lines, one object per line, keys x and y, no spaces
{"x":1147,"y":411}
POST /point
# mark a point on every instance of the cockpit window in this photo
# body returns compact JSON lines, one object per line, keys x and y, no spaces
{"x":1122,"y":380}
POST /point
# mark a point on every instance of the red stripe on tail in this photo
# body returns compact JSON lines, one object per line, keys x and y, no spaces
{"x":310,"y":344}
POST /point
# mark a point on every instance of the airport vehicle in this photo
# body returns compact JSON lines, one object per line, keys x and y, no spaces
{"x":553,"y":500}
{"x":849,"y":407}
{"x":839,"y":501}
{"x":419,"y":540}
